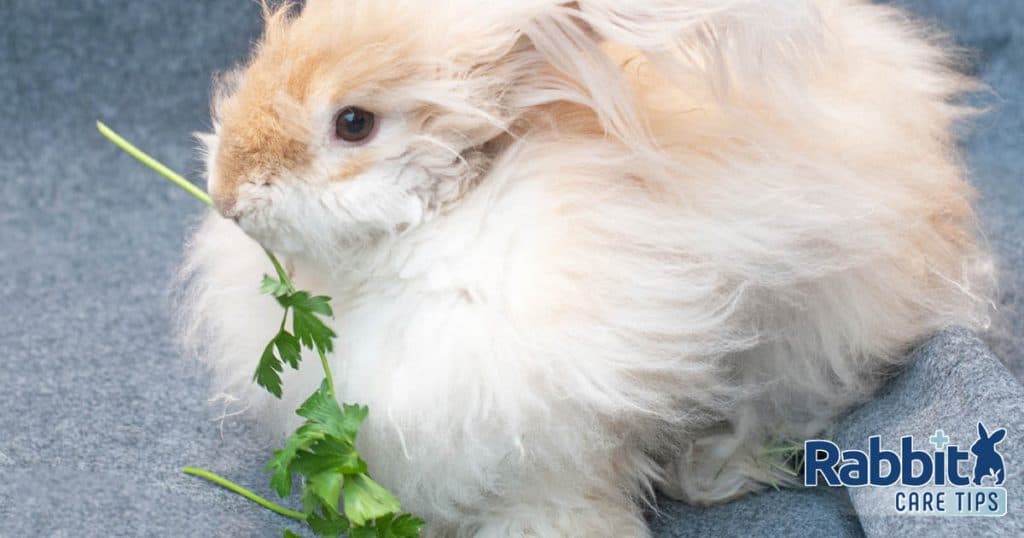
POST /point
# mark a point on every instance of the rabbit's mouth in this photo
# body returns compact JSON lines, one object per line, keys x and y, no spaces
{"x":262,"y":212}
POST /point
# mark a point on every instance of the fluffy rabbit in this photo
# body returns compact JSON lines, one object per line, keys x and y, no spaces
{"x":582,"y":251}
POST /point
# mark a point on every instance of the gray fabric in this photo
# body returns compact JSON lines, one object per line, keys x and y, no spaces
{"x":98,"y":412}
{"x":991,"y":33}
{"x":795,"y":512}
{"x":954,"y":383}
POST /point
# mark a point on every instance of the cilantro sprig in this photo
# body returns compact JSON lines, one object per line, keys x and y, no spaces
{"x":307,"y":331}
{"x":337,"y":495}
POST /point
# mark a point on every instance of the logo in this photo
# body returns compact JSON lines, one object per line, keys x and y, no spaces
{"x":932,"y":482}
{"x":989,"y":461}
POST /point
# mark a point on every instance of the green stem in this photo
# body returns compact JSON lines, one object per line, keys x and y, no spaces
{"x":180,"y":181}
{"x":284,"y":320}
{"x":156,"y":165}
{"x":327,"y":372}
{"x":282,"y":275}
{"x":227,"y":484}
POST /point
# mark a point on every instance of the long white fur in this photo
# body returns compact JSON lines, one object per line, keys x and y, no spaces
{"x":545,"y":337}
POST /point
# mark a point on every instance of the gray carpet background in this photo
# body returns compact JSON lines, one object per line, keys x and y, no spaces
{"x":98,"y":410}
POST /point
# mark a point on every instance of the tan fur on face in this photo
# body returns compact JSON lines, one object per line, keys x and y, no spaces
{"x":266,"y":126}
{"x":353,"y":166}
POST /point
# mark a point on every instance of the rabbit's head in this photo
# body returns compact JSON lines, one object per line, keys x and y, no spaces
{"x":358,"y":119}
{"x":986,"y":443}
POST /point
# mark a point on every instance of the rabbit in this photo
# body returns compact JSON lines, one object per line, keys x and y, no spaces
{"x":989,"y":462}
{"x":584,"y":252}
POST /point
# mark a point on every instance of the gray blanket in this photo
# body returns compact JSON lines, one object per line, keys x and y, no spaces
{"x":98,"y":412}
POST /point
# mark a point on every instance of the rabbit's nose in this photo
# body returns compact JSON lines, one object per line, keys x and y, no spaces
{"x":226,"y":205}
{"x":224,"y":195}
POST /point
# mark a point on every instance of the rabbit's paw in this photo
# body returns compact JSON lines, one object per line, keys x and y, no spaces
{"x":722,"y":467}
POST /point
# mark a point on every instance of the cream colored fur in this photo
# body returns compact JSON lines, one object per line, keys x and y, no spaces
{"x":596,"y":248}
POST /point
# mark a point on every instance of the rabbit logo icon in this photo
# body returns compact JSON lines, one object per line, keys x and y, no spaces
{"x":925,"y":481}
{"x":988,"y":462}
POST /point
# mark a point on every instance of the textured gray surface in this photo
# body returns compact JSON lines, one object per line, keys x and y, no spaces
{"x":98,"y":411}
{"x":953,"y":384}
{"x":796,"y":512}
{"x":992,"y":34}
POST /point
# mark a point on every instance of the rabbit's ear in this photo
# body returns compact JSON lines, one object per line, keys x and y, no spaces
{"x":982,"y":433}
{"x":712,"y":43}
{"x":998,"y":435}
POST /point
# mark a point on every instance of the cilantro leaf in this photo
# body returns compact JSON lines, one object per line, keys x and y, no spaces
{"x":273,"y":286}
{"x":322,"y":410}
{"x":366,"y":500}
{"x":325,"y":442}
{"x":320,"y":407}
{"x":268,"y":372}
{"x":323,"y":452}
{"x":288,"y":348}
{"x":325,"y":489}
{"x":311,"y":331}
{"x":328,"y":455}
{"x":327,"y":525}
{"x":280,"y":464}
{"x":405,"y":526}
{"x":390,"y":526}
{"x":363,"y":532}
{"x":352,"y":419}
{"x":301,"y":300}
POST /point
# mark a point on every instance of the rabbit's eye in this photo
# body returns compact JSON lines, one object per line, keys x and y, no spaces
{"x":353,"y":124}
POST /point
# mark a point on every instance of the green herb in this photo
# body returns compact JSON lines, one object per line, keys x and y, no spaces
{"x":338,"y":495}
{"x":782,"y":460}
{"x":307,"y":331}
